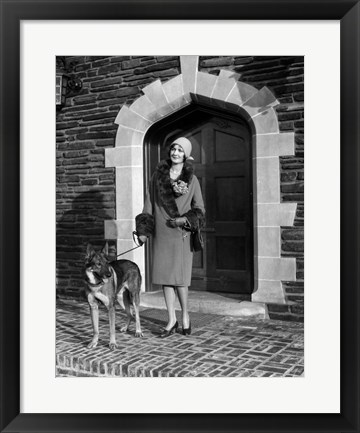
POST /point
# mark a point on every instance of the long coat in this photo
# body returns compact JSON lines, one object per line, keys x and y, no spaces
{"x":172,"y":254}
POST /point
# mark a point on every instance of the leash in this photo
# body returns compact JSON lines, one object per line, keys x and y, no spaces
{"x":134,"y":233}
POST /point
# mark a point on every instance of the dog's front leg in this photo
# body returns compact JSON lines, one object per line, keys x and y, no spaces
{"x":109,"y":304}
{"x":112,"y":343}
{"x":94,"y":314}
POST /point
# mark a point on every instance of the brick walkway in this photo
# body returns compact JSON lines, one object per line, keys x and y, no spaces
{"x":219,"y":346}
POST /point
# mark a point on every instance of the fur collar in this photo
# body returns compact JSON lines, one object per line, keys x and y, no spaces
{"x":163,"y":183}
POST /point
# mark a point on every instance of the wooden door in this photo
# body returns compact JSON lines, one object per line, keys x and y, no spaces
{"x":221,"y":150}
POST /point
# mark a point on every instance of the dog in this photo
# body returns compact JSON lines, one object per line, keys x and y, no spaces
{"x":108,"y":282}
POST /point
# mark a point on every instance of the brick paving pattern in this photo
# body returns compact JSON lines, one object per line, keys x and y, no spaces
{"x":219,"y":346}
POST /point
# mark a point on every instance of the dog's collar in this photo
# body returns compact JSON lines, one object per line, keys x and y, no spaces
{"x":101,"y":283}
{"x":95,"y":286}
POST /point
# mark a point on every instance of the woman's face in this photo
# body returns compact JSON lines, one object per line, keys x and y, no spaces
{"x":177,"y":154}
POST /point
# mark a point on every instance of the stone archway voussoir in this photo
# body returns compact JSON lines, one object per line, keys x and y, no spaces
{"x":240,"y":93}
{"x":189,"y":70}
{"x":132,"y":120}
{"x":224,"y":85}
{"x":205,"y":84}
{"x":266,"y":122}
{"x":260,"y":101}
{"x":145,"y":108}
{"x":155,"y":93}
{"x":174,"y":92}
{"x":128,"y":137}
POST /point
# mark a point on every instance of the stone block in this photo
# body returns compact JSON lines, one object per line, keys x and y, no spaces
{"x":119,"y":93}
{"x":273,"y":144}
{"x":241,"y":93}
{"x":268,"y":291}
{"x":288,"y":176}
{"x":129,"y":137}
{"x":129,"y":64}
{"x":124,"y":243}
{"x":129,"y":192}
{"x":225,"y":74}
{"x":269,"y":242}
{"x":277,"y":269}
{"x":293,"y":187}
{"x":293,"y":246}
{"x":119,"y":229}
{"x":155,"y":93}
{"x":297,"y":309}
{"x":174,"y":92}
{"x":189,"y":70}
{"x":205,"y":84}
{"x":295,"y":234}
{"x":266,"y":122}
{"x":221,"y":61}
{"x":280,"y":214}
{"x":267,"y":180}
{"x":225,"y":83}
{"x":145,"y":108}
{"x":124,"y":156}
{"x":129,"y":119}
{"x":260,"y":101}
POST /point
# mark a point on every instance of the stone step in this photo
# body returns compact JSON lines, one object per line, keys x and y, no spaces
{"x":226,"y":304}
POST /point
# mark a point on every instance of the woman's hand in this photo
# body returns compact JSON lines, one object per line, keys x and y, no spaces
{"x":142,"y":239}
{"x":177,"y":222}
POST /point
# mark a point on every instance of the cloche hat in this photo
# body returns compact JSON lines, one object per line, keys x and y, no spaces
{"x":185,"y":143}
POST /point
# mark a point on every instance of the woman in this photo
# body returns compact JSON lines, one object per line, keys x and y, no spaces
{"x":173,"y":208}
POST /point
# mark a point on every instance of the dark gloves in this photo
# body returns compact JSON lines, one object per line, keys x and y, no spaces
{"x":145,"y":224}
{"x":177,"y":222}
{"x":196,"y":218}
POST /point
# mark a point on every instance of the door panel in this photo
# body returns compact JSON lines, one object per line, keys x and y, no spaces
{"x":228,"y":147}
{"x":222,"y":162}
{"x":228,"y":207}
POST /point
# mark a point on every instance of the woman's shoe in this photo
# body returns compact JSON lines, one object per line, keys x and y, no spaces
{"x":187,"y":331}
{"x":167,"y":333}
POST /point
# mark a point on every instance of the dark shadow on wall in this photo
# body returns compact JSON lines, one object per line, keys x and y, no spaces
{"x":78,"y":223}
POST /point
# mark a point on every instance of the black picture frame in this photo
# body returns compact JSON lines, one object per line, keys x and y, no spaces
{"x":12,"y":12}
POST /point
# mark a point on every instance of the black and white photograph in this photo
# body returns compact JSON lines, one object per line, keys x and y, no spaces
{"x":180,"y":216}
{"x":164,"y":264}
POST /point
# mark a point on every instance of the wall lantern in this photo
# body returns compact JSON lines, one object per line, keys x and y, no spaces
{"x":61,"y":81}
{"x":66,"y":86}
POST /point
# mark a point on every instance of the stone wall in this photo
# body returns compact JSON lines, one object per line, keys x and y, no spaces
{"x":85,"y":127}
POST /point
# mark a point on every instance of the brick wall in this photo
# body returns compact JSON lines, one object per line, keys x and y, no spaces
{"x":85,"y":127}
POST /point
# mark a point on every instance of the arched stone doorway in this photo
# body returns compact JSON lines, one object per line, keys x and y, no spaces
{"x":221,"y":147}
{"x":226,"y":93}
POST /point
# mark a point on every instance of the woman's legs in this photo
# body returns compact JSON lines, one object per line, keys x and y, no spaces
{"x":169,"y":294}
{"x":183,"y":298}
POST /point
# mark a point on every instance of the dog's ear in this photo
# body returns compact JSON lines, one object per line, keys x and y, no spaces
{"x":105,"y":249}
{"x":89,"y":251}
